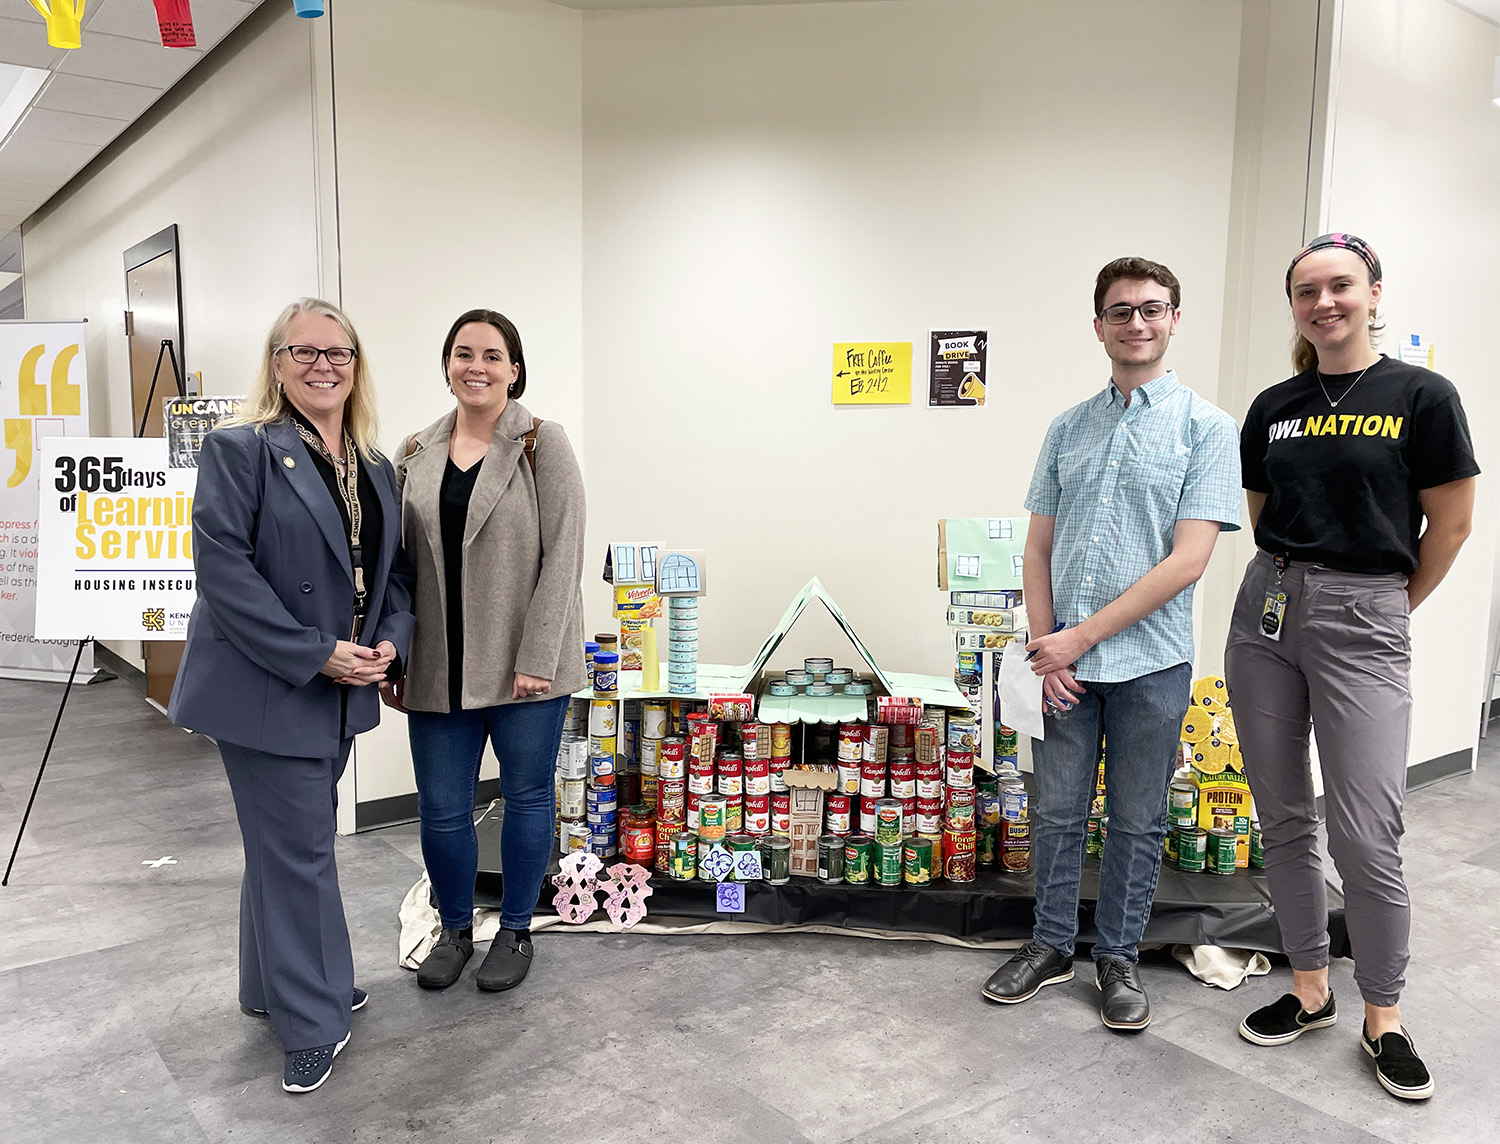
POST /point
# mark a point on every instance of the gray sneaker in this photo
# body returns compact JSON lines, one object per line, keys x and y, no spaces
{"x":1030,"y":967}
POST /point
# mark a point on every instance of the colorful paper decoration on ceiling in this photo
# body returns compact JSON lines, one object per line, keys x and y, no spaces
{"x":308,"y":9}
{"x":174,"y":20}
{"x":63,"y":19}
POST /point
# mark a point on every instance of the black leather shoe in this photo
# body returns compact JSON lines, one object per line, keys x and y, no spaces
{"x":447,"y":960}
{"x":506,"y":964}
{"x":1122,"y":1004}
{"x":1030,"y":967}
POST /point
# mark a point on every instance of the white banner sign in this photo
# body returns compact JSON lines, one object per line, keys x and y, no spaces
{"x":116,"y":531}
{"x":43,"y":394}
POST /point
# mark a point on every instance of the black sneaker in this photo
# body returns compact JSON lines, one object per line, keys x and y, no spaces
{"x":506,"y":964}
{"x":307,"y":1069}
{"x":356,"y":1003}
{"x":1397,"y":1066}
{"x":1030,"y":967}
{"x":1122,"y":1002}
{"x":1283,"y":1021}
{"x":446,"y":962}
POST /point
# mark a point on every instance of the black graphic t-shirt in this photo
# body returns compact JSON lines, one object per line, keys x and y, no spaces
{"x":1342,"y":482}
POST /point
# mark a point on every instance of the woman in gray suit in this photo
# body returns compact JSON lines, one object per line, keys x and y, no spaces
{"x":304,"y":600}
{"x":492,"y":515}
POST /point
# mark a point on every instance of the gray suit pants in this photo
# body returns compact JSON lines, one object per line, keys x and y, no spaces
{"x":295,"y":960}
{"x":1343,"y":663}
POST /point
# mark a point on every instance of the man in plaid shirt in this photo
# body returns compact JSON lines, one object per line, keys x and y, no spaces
{"x":1130,"y":492}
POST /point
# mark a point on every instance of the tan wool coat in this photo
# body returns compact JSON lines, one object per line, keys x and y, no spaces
{"x":523,"y":565}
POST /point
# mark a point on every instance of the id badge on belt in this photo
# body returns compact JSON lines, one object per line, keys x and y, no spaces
{"x":1274,"y":610}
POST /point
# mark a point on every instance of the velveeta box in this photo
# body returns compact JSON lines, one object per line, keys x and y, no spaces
{"x":637,"y":602}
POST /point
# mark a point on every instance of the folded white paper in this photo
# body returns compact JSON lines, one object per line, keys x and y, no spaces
{"x":1020,"y":693}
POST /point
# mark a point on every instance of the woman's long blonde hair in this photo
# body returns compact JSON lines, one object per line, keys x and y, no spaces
{"x":266,"y":402}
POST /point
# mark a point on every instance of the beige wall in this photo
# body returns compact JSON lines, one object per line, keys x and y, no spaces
{"x":1416,"y":169}
{"x":229,"y":157}
{"x":761,"y":182}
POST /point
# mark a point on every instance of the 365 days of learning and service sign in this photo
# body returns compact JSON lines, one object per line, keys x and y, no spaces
{"x":116,"y":540}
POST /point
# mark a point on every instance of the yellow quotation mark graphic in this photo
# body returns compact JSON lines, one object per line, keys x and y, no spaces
{"x":67,"y":401}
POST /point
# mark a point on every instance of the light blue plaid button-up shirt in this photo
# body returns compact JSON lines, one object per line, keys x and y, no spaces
{"x":1118,"y":480}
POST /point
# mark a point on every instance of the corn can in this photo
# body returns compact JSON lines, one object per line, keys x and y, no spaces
{"x":916,"y":861}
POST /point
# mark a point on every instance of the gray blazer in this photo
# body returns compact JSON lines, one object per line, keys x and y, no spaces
{"x":275,"y":592}
{"x":523,"y":565}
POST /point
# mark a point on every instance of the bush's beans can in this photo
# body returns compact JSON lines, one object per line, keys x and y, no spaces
{"x":734,"y":813}
{"x":830,"y":858}
{"x":848,"y":779}
{"x":837,"y":813}
{"x":851,"y":742}
{"x":958,"y":854}
{"x":672,"y":763}
{"x":781,"y":740}
{"x":960,"y":809}
{"x":1222,"y":844}
{"x":781,"y":813}
{"x":684,"y":851}
{"x":1015,"y":845}
{"x":1257,"y":847}
{"x":713,"y":817}
{"x":757,"y":814}
{"x":886,"y":863}
{"x":757,"y":776}
{"x":888,"y":821}
{"x":857,"y":854}
{"x":649,"y":786}
{"x":916,"y":861}
{"x":778,"y":769}
{"x":1192,"y":849}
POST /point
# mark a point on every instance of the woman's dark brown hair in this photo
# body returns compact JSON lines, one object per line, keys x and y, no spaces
{"x":507,"y":330}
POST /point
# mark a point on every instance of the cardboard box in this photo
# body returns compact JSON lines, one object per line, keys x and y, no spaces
{"x":637,"y":602}
{"x":1224,"y":800}
{"x":998,"y":599}
{"x":994,"y":619}
{"x":984,"y":639}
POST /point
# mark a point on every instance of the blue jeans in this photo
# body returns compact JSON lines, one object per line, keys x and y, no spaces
{"x":445,"y":750}
{"x":1142,"y":721}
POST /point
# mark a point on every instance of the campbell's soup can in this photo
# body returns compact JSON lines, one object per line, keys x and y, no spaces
{"x":903,"y":780}
{"x":781,"y":740}
{"x":690,"y":805}
{"x":672,"y":763}
{"x":908,"y":813}
{"x":781,"y":813}
{"x":734,"y":813}
{"x":929,"y":822}
{"x":872,"y":788}
{"x":757,"y":776}
{"x":837,"y":813}
{"x":875,"y":747}
{"x":777,"y":770}
{"x":848,"y":779}
{"x":932,"y":791}
{"x":851,"y":742}
{"x":757,"y":813}
{"x":962,"y":777}
{"x":867,"y":815}
{"x":732,"y":784}
{"x":700,"y":783}
{"x":755,"y":741}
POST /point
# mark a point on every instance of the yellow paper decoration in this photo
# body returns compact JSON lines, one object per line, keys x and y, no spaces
{"x":63,"y":21}
{"x":1210,"y":693}
{"x":1197,"y":725}
{"x":1211,"y":757}
{"x":1224,"y":728}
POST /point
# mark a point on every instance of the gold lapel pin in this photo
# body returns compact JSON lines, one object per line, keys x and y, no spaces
{"x":289,"y":463}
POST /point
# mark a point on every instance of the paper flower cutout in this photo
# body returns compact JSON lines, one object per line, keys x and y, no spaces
{"x":576,"y":884}
{"x":628,"y":887}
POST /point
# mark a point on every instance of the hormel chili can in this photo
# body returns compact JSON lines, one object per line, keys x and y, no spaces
{"x":960,"y":808}
{"x":848,"y":777}
{"x":851,"y":742}
{"x":868,"y":815}
{"x":757,"y":813}
{"x":672,"y":763}
{"x":903,"y":780}
{"x":958,"y":855}
{"x":734,"y":813}
{"x":781,"y":813}
{"x":778,"y":774}
{"x":902,"y":735}
{"x":781,"y":740}
{"x":671,"y":799}
{"x":837,"y":813}
{"x":757,"y":776}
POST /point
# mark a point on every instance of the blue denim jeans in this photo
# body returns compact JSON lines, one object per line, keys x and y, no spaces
{"x":1142,"y":721}
{"x":446,"y":750}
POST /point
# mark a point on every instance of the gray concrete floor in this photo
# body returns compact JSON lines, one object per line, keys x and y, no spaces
{"x":118,"y":1019}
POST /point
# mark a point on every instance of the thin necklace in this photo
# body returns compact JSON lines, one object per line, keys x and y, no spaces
{"x":1332,"y":404}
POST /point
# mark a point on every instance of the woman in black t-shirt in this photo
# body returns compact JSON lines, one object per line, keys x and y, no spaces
{"x":1341,"y":464}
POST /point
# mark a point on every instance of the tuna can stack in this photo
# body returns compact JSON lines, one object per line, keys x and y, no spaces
{"x":572,"y":779}
{"x":682,"y":644}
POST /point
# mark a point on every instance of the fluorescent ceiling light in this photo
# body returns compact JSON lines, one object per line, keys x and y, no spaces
{"x":18,"y":87}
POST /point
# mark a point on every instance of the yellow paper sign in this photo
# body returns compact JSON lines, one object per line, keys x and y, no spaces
{"x":872,"y":373}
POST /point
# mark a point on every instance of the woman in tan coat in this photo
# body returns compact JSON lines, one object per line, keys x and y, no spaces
{"x":492,"y":515}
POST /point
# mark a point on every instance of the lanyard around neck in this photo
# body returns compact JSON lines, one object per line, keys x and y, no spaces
{"x":346,"y":480}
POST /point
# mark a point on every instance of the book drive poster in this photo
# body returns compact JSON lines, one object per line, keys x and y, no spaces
{"x":956,"y":376}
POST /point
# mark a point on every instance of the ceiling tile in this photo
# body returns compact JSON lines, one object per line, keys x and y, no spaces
{"x":23,"y":40}
{"x":23,"y":148}
{"x":9,"y":206}
{"x":24,"y":190}
{"x":128,"y":61}
{"x":97,"y":97}
{"x":10,"y":222}
{"x":13,"y":171}
{"x":212,"y":19}
{"x":70,"y":127}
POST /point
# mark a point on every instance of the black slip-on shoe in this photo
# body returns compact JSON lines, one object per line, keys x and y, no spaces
{"x":1029,"y":968}
{"x":1122,"y":1003}
{"x":1283,"y":1021}
{"x":506,"y":964}
{"x":445,"y":963}
{"x":356,"y":1003}
{"x":1397,"y":1066}
{"x":307,"y":1069}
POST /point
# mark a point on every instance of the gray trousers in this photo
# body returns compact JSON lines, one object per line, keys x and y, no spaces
{"x":1343,"y":662}
{"x":295,"y":960}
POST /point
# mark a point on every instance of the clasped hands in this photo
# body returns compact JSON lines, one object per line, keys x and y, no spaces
{"x":1053,"y":657}
{"x":357,"y":665}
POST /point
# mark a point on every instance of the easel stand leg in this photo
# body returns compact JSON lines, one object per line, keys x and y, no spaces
{"x":47,"y":754}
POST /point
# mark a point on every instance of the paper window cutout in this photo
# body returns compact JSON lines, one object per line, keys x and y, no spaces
{"x":648,"y":562}
{"x":1000,"y":529}
{"x":625,"y":562}
{"x":1015,"y":563}
{"x":966,"y":566}
{"x":678,"y":574}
